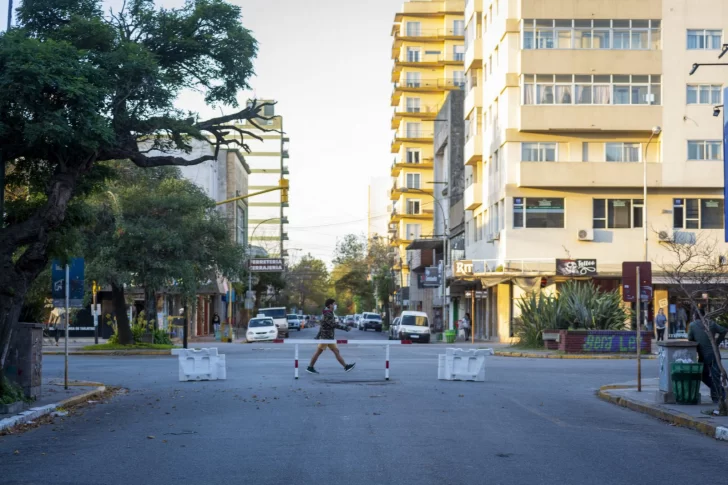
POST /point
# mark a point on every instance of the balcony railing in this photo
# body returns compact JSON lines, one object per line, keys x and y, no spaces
{"x":419,"y":58}
{"x":430,"y":33}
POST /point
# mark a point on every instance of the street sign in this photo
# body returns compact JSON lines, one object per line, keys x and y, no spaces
{"x":629,"y":281}
{"x":265,"y":265}
{"x":432,"y":277}
{"x":58,"y":277}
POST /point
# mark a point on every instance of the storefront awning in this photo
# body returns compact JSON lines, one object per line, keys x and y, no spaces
{"x":426,"y":244}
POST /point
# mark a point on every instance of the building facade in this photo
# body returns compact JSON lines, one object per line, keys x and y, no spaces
{"x":571,"y":107}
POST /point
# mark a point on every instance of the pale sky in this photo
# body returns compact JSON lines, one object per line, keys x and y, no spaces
{"x":328,"y":64}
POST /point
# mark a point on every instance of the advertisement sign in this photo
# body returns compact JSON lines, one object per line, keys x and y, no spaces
{"x":629,"y":281}
{"x":58,"y":286}
{"x":576,"y":267}
{"x":433,"y":278}
{"x":266,"y":265}
{"x":467,"y":267}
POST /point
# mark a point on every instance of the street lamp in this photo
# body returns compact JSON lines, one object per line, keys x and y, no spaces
{"x":656,"y":130}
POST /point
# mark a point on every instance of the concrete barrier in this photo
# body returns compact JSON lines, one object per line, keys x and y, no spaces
{"x":201,"y":365}
{"x":463,"y":365}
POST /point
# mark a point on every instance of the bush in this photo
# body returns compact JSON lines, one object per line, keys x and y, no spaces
{"x":539,"y":313}
{"x":591,"y":309}
{"x":139,"y":328}
{"x":10,"y":392}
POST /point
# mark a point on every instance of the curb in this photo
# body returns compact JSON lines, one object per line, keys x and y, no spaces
{"x":678,"y":419}
{"x":114,"y":353}
{"x":38,"y":412}
{"x":531,"y":355}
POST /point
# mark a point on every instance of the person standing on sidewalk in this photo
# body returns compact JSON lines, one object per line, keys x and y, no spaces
{"x":711,"y":369}
{"x":465,"y":325}
{"x":660,"y":322}
{"x":59,"y":323}
{"x":326,"y":332}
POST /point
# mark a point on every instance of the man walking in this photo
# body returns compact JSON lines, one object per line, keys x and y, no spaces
{"x":328,"y":326}
{"x":711,"y":369}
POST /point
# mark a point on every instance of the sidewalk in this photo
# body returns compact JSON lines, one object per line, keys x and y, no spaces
{"x":695,"y":417}
{"x":53,"y":396}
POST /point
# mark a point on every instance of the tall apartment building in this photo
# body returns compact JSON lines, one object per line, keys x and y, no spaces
{"x":268,"y":164}
{"x":567,"y":102}
{"x":428,"y":55}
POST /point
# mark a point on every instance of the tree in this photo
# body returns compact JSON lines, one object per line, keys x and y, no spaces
{"x":381,"y":260}
{"x":308,"y":283}
{"x":156,"y":230}
{"x":351,"y":274}
{"x":697,"y":268}
{"x":78,"y":88}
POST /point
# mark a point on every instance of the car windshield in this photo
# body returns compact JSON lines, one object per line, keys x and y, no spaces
{"x":372,"y":316}
{"x":260,"y":322}
{"x":414,"y":320}
{"x":292,"y":317}
{"x":273,"y":312}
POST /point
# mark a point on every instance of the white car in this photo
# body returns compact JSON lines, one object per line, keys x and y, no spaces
{"x":278,"y":314}
{"x":393,"y":335}
{"x":414,"y":326}
{"x":294,"y":322}
{"x":261,"y":329}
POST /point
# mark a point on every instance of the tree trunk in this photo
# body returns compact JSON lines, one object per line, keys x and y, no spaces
{"x":123,"y":329}
{"x":150,"y":307}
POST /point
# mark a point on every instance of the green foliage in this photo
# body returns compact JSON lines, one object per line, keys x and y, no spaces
{"x":116,"y":346}
{"x":539,"y":313}
{"x":307,"y":284}
{"x":10,"y":392}
{"x":350,"y":277}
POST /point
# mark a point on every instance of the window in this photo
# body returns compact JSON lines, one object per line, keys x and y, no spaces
{"x":413,"y":105}
{"x":413,"y":79}
{"x":413,"y":155}
{"x":413,"y":54}
{"x":705,"y":150}
{"x":459,"y":53}
{"x":591,"y":89}
{"x":269,"y":110}
{"x":413,"y":29}
{"x":697,"y":213}
{"x":458,"y":79}
{"x":591,"y":34}
{"x":413,"y":206}
{"x":585,"y":151}
{"x":617,"y":213}
{"x":622,"y":152}
{"x":704,"y":94}
{"x":538,"y":152}
{"x":704,"y":39}
{"x":538,"y":212}
{"x":458,"y":27}
{"x":413,"y":231}
{"x":413,"y":130}
{"x":413,"y":181}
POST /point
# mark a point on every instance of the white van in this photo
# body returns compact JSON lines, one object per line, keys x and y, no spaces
{"x":414,"y":326}
{"x":280,"y":318}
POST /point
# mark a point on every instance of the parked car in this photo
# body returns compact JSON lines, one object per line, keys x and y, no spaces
{"x":349,"y":321}
{"x":357,"y":319}
{"x":294,"y":322}
{"x":393,"y":335}
{"x":414,"y":326}
{"x":261,"y":328}
{"x":371,"y":321}
{"x":278,"y":314}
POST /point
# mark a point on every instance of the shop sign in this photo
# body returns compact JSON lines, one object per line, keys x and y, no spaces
{"x":433,"y":278}
{"x":469,"y":267}
{"x":576,"y":267}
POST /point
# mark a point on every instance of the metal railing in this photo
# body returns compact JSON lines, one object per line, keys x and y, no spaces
{"x":420,"y":33}
{"x":477,"y":267}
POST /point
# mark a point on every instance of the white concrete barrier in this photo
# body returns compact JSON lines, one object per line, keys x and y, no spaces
{"x":462,"y":365}
{"x":201,"y":365}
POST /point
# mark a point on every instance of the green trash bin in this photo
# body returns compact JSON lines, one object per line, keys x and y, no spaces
{"x":686,"y":382}
{"x":450,"y":336}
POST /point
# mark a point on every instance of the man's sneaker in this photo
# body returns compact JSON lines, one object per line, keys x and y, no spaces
{"x":311,"y":370}
{"x":348,"y":367}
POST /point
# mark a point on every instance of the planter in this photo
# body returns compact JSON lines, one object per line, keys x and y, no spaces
{"x":12,"y":408}
{"x":603,"y":342}
{"x":450,"y":336}
{"x":551,"y":339}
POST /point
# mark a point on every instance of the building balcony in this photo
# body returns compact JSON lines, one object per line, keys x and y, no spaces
{"x":400,"y":137}
{"x":588,"y":174}
{"x":473,"y":99}
{"x":589,"y":118}
{"x":423,"y":112}
{"x":473,"y":152}
{"x":427,"y":163}
{"x":597,"y":61}
{"x":474,"y":55}
{"x":401,"y":34}
{"x":473,"y":196}
{"x":424,"y":215}
{"x":395,"y":192}
{"x":471,"y":8}
{"x":439,"y":85}
{"x":427,"y":60}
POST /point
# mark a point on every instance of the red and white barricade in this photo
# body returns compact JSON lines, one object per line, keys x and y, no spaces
{"x":385,"y":343}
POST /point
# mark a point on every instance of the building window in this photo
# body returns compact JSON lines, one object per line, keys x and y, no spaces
{"x":458,"y":27}
{"x":458,"y":53}
{"x":697,"y":213}
{"x":538,"y":152}
{"x":591,"y":89}
{"x":622,"y":152}
{"x":704,"y":39}
{"x":617,"y":213}
{"x":413,"y":79}
{"x":413,"y":181}
{"x":413,"y":155}
{"x":591,"y":34}
{"x":413,"y":54}
{"x":538,"y":212}
{"x":585,"y":151}
{"x":413,"y":130}
{"x":413,"y":231}
{"x":705,"y":150}
{"x":458,"y":79}
{"x":704,"y":94}
{"x":414,"y":29}
{"x":413,"y":105}
{"x":413,"y":207}
{"x":269,"y":110}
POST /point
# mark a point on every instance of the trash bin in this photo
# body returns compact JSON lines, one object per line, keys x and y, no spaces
{"x":450,"y":336}
{"x":686,"y":382}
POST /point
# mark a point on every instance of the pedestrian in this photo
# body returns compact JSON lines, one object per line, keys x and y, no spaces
{"x":215,"y":323}
{"x":326,"y":332}
{"x":711,"y":367}
{"x":682,"y":319}
{"x":465,"y":325}
{"x":660,"y":321}
{"x":60,"y":325}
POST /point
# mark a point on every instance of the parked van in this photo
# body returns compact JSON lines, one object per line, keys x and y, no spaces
{"x":280,"y":318}
{"x":414,"y":326}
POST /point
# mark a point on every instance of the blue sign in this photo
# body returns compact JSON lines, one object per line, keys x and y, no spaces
{"x":76,"y":290}
{"x":725,"y":167}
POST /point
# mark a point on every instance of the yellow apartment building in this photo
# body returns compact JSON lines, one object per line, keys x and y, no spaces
{"x":569,"y":103}
{"x":428,"y":54}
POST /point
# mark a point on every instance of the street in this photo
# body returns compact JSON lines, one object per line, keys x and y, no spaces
{"x":532,"y":421}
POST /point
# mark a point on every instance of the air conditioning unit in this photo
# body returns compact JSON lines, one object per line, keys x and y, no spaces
{"x":664,"y":236}
{"x":585,"y":234}
{"x":496,"y":236}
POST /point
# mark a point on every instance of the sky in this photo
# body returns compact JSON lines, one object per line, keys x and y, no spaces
{"x":328,"y":64}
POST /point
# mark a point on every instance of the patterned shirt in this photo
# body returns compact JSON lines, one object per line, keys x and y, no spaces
{"x":328,"y":325}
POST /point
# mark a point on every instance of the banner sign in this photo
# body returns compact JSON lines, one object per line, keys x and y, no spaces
{"x":266,"y":265}
{"x":58,"y":288}
{"x":432,"y":277}
{"x":576,"y":267}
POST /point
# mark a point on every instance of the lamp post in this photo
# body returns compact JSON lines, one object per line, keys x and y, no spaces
{"x":656,"y":130}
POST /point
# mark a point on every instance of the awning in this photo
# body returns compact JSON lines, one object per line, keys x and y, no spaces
{"x":426,"y":244}
{"x":491,"y":281}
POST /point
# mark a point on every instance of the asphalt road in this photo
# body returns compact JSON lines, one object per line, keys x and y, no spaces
{"x":534,"y":421}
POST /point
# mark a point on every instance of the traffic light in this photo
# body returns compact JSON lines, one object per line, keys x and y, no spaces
{"x":283,"y":184}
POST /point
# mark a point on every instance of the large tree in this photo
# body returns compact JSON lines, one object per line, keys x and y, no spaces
{"x":78,"y":88}
{"x":308,"y":283}
{"x":351,"y":277}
